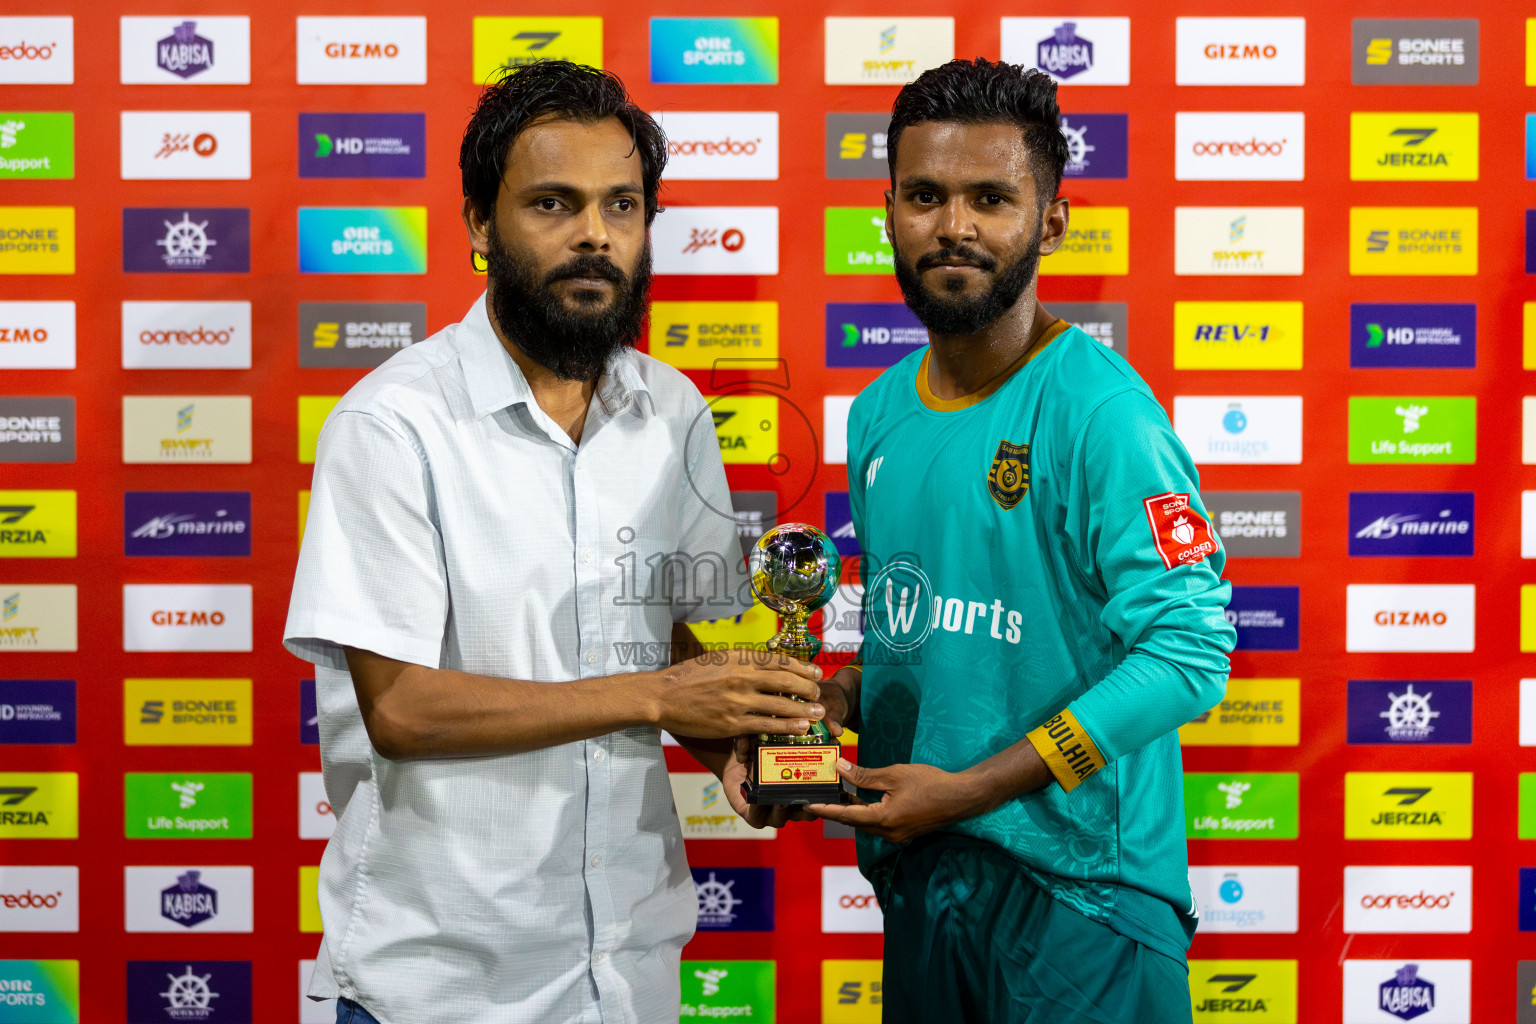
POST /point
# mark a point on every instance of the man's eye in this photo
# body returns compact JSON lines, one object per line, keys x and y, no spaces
{"x":926,"y":197}
{"x":991,"y":199}
{"x":624,"y":205}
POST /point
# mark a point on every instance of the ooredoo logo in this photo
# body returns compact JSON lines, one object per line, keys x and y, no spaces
{"x":1418,"y":901}
{"x":1239,"y":146}
{"x":1252,"y":147}
{"x":39,"y":899}
{"x":37,"y":51}
{"x":848,"y":902}
{"x":186,"y":335}
{"x":1396,"y":899}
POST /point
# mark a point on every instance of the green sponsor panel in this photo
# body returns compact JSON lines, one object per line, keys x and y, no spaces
{"x":1238,"y":805}
{"x":40,"y":991}
{"x":1413,"y":429}
{"x":736,"y":990}
{"x":187,"y":805}
{"x":36,"y":144}
{"x":1527,"y":805}
{"x":856,"y":242}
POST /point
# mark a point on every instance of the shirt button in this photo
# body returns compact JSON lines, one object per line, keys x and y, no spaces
{"x":599,"y":754}
{"x":591,"y":657}
{"x":599,"y":957}
{"x":597,"y":860}
{"x":586,"y":556}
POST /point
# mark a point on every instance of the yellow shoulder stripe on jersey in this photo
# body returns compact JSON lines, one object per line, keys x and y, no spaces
{"x":1067,"y":749}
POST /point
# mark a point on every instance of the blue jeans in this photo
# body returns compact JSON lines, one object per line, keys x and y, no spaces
{"x":348,"y":1012}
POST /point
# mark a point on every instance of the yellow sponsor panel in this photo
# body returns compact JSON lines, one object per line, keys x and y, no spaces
{"x":751,"y":628}
{"x":696,"y":335}
{"x":39,"y":805}
{"x":37,"y":239}
{"x":514,"y":42}
{"x":303,"y":513}
{"x":1407,"y":805}
{"x":187,"y":712}
{"x":1237,"y":335}
{"x":1254,"y":713}
{"x":1528,"y":322}
{"x":851,"y":992}
{"x":38,"y":524}
{"x":1413,"y":147}
{"x":747,"y":426}
{"x":1528,"y":614}
{"x":309,"y":900}
{"x":313,"y":409}
{"x":1097,"y":242}
{"x":1238,"y":991}
{"x":1530,"y":51}
{"x":1395,"y":241}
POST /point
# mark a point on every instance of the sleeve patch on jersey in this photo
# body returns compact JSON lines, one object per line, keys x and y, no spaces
{"x":1181,"y":535}
{"x":1067,"y":750}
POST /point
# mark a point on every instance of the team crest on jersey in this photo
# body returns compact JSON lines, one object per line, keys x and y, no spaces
{"x":1008,"y":479}
{"x":1182,"y":535}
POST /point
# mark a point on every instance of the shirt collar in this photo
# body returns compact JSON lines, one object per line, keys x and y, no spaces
{"x":496,"y":382}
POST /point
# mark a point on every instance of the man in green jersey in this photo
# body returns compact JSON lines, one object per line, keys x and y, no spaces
{"x":1043,"y":604}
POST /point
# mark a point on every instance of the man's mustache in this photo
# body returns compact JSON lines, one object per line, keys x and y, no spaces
{"x":587,"y":266}
{"x":957,"y":254}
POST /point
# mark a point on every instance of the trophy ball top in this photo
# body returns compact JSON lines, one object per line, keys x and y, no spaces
{"x":795,"y":568}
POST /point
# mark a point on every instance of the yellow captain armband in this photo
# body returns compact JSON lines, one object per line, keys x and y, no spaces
{"x":1067,"y":750}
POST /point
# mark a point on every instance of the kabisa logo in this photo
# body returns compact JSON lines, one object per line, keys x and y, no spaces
{"x":1065,"y":53}
{"x":184,"y":53}
{"x":187,"y":523}
{"x":1406,"y":995}
{"x":1413,"y":711}
{"x":1097,"y":145}
{"x":186,"y":240}
{"x":208,"y":991}
{"x":1411,"y":523}
{"x":189,"y":903}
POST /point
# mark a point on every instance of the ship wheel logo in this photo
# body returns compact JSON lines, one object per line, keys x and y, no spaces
{"x":1078,"y":146}
{"x":1409,"y":716}
{"x":188,"y":992}
{"x":185,"y":243}
{"x":716,"y":900}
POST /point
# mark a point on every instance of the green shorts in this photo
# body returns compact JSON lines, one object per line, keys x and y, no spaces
{"x":970,"y":937}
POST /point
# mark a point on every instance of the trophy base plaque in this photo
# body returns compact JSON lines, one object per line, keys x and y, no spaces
{"x":796,"y":770}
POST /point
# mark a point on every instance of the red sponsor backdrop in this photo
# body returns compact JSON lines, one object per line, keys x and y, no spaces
{"x":275,"y":476}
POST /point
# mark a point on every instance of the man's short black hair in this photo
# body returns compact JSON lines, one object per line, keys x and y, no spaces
{"x":981,"y":91}
{"x":562,"y":90}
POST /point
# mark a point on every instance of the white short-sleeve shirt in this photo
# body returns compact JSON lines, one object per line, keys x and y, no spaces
{"x":452,"y":524}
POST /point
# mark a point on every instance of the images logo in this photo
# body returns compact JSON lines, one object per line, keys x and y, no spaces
{"x":1412,"y":429}
{"x":186,"y":428}
{"x":1411,"y":523}
{"x":710,"y":146}
{"x":1396,"y":899}
{"x":38,"y":524}
{"x":1221,"y":241}
{"x":1258,"y":430}
{"x":1242,"y":51}
{"x":187,"y":806}
{"x":885,"y":51}
{"x":1259,"y":990}
{"x":207,"y":991}
{"x":1245,"y":899}
{"x":363,"y":51}
{"x":871,"y":333}
{"x":362,"y":239}
{"x":1413,"y":147}
{"x":1097,"y":145}
{"x":1241,"y":806}
{"x":514,"y":42}
{"x":1237,"y":335}
{"x":39,"y":805}
{"x":1254,"y":713}
{"x":1414,"y":51}
{"x":741,"y":990}
{"x":1079,"y":51}
{"x":186,"y":523}
{"x":36,"y":144}
{"x":715,"y":51}
{"x":855,"y":145}
{"x":168,"y":51}
{"x":1408,"y":805}
{"x":1397,"y":711}
{"x":716,"y":240}
{"x":360,"y":334}
{"x":1239,"y":146}
{"x":37,"y":51}
{"x":37,"y":711}
{"x":37,"y":430}
{"x":182,"y":240}
{"x":699,"y":335}
{"x":37,"y":239}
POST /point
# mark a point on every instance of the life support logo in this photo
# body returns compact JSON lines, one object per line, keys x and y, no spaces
{"x":899,"y":607}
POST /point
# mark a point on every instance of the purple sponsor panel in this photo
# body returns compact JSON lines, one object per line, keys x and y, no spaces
{"x":872,"y":333}
{"x":186,"y":240}
{"x":1097,"y":145}
{"x":1410,"y":712}
{"x":37,"y":711}
{"x":199,"y":524}
{"x":362,"y":145}
{"x":207,"y":991}
{"x":734,"y":899}
{"x":1412,"y":524}
{"x":309,"y":714}
{"x":839,"y":522}
{"x":1413,"y":335}
{"x":1266,"y":618}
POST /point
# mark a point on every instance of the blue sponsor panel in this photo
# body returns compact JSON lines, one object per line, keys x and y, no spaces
{"x":1410,"y":712}
{"x":186,"y":240}
{"x":37,"y":711}
{"x":734,"y":899}
{"x":1266,"y":618}
{"x":1528,"y":899}
{"x":207,"y":991}
{"x":191,"y":524}
{"x":1412,"y":524}
{"x":362,"y":145}
{"x":839,"y":521}
{"x":309,"y":714}
{"x":1530,"y":146}
{"x":1097,"y":145}
{"x":1413,"y":335}
{"x":872,"y":333}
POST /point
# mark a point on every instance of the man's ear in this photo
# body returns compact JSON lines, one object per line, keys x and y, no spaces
{"x":477,"y":227}
{"x":890,"y":217}
{"x":1053,"y":225}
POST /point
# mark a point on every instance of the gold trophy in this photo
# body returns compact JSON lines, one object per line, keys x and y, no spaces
{"x":794,"y":569}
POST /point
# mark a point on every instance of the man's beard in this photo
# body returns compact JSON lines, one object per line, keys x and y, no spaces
{"x":959,"y":314}
{"x":572,"y":343}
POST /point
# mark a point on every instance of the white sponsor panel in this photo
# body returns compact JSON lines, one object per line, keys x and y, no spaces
{"x":716,"y":240}
{"x":186,"y":335}
{"x":1241,"y":51}
{"x":834,"y":428}
{"x":1262,"y":430}
{"x":1527,"y":523}
{"x":187,"y":617}
{"x":1381,"y":899}
{"x":39,"y":617}
{"x":185,"y":49}
{"x":1239,"y":146}
{"x":37,"y":51}
{"x":721,"y":146}
{"x":704,"y":811}
{"x":1245,"y":899}
{"x":177,"y":899}
{"x":313,"y":1011}
{"x":362,"y":51}
{"x":316,"y":819}
{"x":848,"y":902}
{"x":39,"y":899}
{"x":886,"y":51}
{"x":1410,"y":617}
{"x":1074,"y":51}
{"x":842,"y":619}
{"x":1528,"y":430}
{"x":37,"y":335}
{"x":1423,"y":991}
{"x":1528,"y":712}
{"x":183,"y":145}
{"x":1238,"y":240}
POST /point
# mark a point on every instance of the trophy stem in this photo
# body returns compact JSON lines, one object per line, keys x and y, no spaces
{"x":794,"y":639}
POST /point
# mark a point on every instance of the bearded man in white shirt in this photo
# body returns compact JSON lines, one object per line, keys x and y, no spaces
{"x":502,"y":517}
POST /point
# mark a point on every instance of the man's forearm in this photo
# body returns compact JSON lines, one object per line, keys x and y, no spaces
{"x":1009,"y":773}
